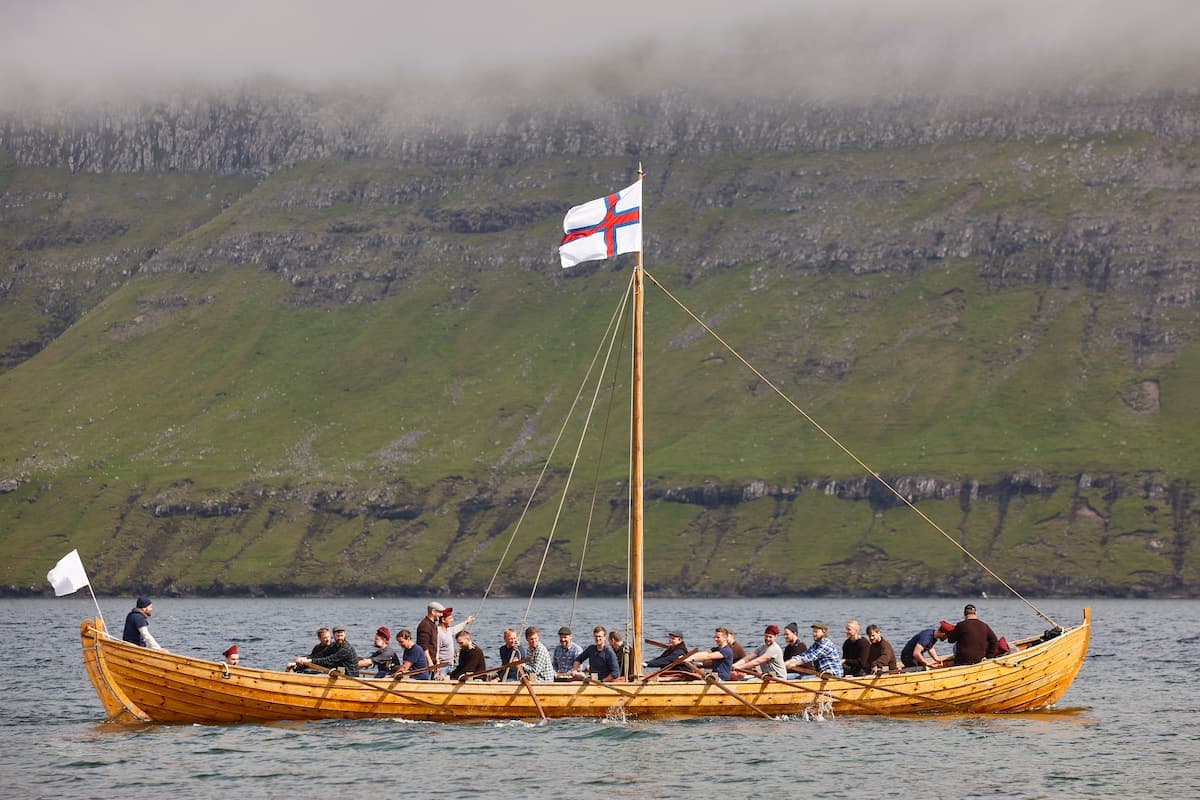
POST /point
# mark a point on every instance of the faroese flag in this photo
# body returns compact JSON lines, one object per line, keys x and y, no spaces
{"x":603,"y":228}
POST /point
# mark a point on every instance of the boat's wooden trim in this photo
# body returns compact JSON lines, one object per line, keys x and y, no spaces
{"x":136,"y":684}
{"x":117,"y":706}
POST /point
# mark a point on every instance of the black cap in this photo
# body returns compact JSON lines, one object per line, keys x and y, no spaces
{"x":564,"y":631}
{"x":143,"y":601}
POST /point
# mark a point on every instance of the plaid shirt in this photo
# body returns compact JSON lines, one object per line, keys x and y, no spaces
{"x":824,"y":656}
{"x":564,"y":658}
{"x":538,"y":666}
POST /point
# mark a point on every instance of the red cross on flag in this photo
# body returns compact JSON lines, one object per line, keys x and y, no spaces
{"x":603,"y":228}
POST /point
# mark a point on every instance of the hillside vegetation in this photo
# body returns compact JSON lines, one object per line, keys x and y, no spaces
{"x":344,"y":376}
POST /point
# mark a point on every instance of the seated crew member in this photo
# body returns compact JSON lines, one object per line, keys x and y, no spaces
{"x":920,"y":651}
{"x":231,"y":655}
{"x":792,"y":645}
{"x":539,"y":667}
{"x":566,"y":653}
{"x":973,"y":639}
{"x":385,"y":659}
{"x":739,"y":652}
{"x":510,"y":651}
{"x":854,"y":650}
{"x":822,"y":656}
{"x":413,"y":658}
{"x":881,"y":657}
{"x":624,"y":653}
{"x":601,"y":660}
{"x":323,"y":647}
{"x":720,"y":657}
{"x":470,"y":659}
{"x":674,"y":650}
{"x":341,"y":656}
{"x":767,"y":658}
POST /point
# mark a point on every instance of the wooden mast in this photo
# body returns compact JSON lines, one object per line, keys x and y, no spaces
{"x":636,"y":569}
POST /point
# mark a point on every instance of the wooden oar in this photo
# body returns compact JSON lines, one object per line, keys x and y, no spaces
{"x":398,"y":675}
{"x":334,"y":673}
{"x":656,"y":644}
{"x":795,"y":685}
{"x":529,"y":687}
{"x":473,"y":675}
{"x":713,"y":680}
{"x":674,"y":663}
{"x":589,"y":680}
{"x":889,"y":690}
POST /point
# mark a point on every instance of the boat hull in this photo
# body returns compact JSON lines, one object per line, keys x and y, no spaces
{"x":135,"y":684}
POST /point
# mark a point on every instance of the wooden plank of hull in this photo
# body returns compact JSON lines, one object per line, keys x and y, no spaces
{"x":136,"y":683}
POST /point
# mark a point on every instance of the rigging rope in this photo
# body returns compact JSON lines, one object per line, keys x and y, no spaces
{"x":587,"y":531}
{"x":847,"y":450}
{"x":618,"y":313}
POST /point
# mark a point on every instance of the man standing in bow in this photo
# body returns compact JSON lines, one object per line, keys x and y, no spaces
{"x":137,"y":625}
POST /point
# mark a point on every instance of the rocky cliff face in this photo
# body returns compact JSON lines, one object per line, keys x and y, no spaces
{"x":260,"y":131}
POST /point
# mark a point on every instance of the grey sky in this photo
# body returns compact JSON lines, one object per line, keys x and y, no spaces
{"x":63,"y":50}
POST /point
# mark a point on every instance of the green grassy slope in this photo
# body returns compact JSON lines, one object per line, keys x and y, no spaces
{"x":224,"y":429}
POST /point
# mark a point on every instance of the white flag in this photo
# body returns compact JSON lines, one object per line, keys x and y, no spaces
{"x":68,"y":575}
{"x":603,"y":228}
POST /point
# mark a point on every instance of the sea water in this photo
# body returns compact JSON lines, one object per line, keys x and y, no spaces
{"x":1128,"y":727}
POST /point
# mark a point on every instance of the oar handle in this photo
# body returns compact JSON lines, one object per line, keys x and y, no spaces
{"x":398,"y":675}
{"x":501,"y":668}
{"x":674,"y":663}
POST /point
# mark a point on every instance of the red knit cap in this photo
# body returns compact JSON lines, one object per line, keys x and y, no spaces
{"x":384,"y":633}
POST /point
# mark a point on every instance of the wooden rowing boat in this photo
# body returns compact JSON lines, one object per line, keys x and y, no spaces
{"x":136,"y":684}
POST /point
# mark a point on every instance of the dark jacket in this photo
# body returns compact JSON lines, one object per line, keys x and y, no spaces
{"x":134,"y":623}
{"x":855,"y":655}
{"x":668,"y":655}
{"x":881,"y":654}
{"x":973,"y":640}
{"x":343,"y":656}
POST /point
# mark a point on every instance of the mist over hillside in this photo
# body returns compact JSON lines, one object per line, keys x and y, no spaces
{"x":81,"y":53}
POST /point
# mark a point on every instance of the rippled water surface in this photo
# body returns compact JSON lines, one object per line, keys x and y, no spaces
{"x":1128,"y":727}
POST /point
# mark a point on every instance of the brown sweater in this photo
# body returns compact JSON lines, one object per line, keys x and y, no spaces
{"x":881,"y":654}
{"x":469,"y":661}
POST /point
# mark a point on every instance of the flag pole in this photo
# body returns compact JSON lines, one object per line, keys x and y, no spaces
{"x":636,"y":532}
{"x":98,"y":611}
